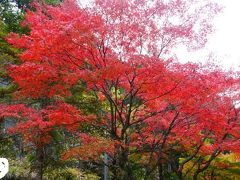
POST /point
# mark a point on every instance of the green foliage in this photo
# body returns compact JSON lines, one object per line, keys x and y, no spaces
{"x":6,"y":146}
{"x":62,"y":174}
{"x":86,"y":101}
{"x":8,"y":55}
{"x":19,"y":169}
{"x":53,"y":2}
{"x":12,"y":16}
{"x":91,"y":176}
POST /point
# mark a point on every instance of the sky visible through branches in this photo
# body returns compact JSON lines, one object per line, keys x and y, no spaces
{"x":223,"y":44}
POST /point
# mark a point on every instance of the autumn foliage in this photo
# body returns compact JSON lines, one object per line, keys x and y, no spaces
{"x":151,"y":106}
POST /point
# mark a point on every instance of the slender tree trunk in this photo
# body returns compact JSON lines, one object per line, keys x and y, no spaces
{"x":212,"y":175}
{"x":39,"y":163}
{"x":130,"y":174}
{"x":195,"y":176}
{"x":147,"y":173}
{"x":114,"y":168}
{"x":179,"y":174}
{"x":40,"y":148}
{"x":160,"y":171}
{"x":126,"y":169}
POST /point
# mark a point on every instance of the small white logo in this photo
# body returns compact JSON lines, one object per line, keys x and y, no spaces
{"x":4,"y":167}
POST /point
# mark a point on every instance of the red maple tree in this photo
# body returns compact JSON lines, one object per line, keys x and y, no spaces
{"x":152,"y":106}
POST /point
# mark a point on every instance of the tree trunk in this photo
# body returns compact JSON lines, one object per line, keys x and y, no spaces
{"x":39,"y":163}
{"x":124,"y":168}
{"x":212,"y":175}
{"x":179,"y":174}
{"x":114,"y":168}
{"x":195,"y":176}
{"x":160,"y":171}
{"x":130,"y":174}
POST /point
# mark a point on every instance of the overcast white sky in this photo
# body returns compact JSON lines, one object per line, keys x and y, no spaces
{"x":224,"y":43}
